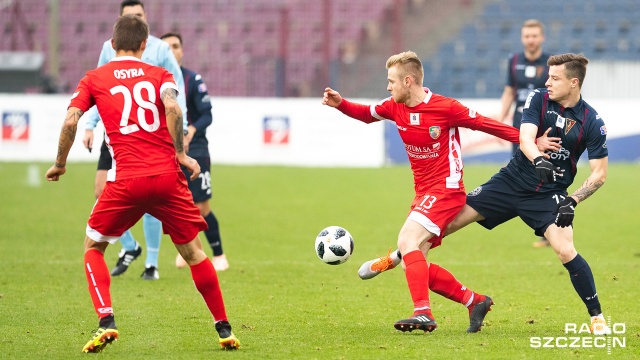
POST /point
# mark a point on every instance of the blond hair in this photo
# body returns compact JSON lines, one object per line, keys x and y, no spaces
{"x":408,"y":64}
{"x":575,"y":65}
{"x":533,"y":23}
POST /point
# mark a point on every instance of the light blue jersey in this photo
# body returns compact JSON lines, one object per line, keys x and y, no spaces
{"x":156,"y":53}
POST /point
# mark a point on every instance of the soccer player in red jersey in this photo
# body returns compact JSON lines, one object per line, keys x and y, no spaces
{"x":428,"y":125}
{"x":143,"y":123}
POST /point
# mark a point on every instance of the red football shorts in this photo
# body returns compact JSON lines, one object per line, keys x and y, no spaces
{"x":165,"y":196}
{"x":435,"y":210}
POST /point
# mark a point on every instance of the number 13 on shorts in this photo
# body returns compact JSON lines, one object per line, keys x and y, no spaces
{"x":426,"y":203}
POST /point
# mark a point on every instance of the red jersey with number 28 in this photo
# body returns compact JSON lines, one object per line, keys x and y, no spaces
{"x":430,"y":134}
{"x":127,"y":94}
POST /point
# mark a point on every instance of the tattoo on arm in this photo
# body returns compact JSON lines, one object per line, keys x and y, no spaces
{"x":170,"y":101}
{"x":67,"y":136}
{"x":587,"y":189}
{"x":178,"y":142}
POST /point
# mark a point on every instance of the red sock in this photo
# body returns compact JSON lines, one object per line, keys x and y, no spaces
{"x":417,"y":274}
{"x":442,"y":282}
{"x":206,"y":281}
{"x":99,"y":282}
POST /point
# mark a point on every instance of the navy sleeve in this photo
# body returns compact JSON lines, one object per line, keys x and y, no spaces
{"x":202,"y":102}
{"x":533,"y":108}
{"x":597,"y":139}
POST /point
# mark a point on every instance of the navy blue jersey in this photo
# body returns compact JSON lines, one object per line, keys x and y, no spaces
{"x":580,"y":128}
{"x":198,"y":112}
{"x":524,"y":76}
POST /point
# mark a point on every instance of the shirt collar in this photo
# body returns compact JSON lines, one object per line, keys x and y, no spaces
{"x":125,"y":58}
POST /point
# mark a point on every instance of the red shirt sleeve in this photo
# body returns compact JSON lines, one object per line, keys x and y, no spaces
{"x":357,"y":111}
{"x":82,"y":98}
{"x":462,"y":116}
{"x":168,"y":82}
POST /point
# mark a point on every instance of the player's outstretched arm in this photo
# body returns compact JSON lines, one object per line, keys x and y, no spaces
{"x":67,"y":136}
{"x":331,"y":98}
{"x":357,"y":111}
{"x":174,"y":124}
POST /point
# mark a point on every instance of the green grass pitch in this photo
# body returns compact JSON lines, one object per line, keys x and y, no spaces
{"x":282,"y":301}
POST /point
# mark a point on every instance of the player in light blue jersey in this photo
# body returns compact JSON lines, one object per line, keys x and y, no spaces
{"x":157,"y":53}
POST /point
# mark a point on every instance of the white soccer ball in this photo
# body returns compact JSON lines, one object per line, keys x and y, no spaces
{"x":334,"y":245}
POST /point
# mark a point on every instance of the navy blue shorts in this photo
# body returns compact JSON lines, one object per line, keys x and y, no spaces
{"x":500,"y":200}
{"x":200,"y":187}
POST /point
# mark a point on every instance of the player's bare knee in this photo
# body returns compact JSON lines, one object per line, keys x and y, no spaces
{"x":566,"y":253}
{"x":204,"y":208}
{"x":192,"y":252}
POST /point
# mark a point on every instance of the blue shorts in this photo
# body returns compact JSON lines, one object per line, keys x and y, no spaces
{"x":200,"y":187}
{"x":500,"y":200}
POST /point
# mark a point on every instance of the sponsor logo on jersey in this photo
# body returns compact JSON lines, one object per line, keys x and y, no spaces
{"x":570,"y":123}
{"x":472,"y":114}
{"x":276,"y":130}
{"x":414,"y":118}
{"x":401,"y":128}
{"x":562,"y":154}
{"x":15,"y":125}
{"x":202,"y":88}
{"x":603,"y":130}
{"x":604,"y":146}
{"x":75,"y":94}
{"x":530,"y":71}
{"x":560,"y":122}
{"x":423,"y":152}
{"x":434,"y":131}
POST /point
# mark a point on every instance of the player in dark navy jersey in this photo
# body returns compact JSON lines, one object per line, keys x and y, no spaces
{"x":526,"y":71}
{"x":199,"y":118}
{"x":534,"y":188}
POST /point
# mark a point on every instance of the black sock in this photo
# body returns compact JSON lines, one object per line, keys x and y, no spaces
{"x":582,"y":280}
{"x":213,"y":234}
{"x":107,"y":321}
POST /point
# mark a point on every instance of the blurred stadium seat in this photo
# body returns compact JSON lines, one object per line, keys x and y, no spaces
{"x":238,"y":45}
{"x":602,"y":30}
{"x":234,"y":44}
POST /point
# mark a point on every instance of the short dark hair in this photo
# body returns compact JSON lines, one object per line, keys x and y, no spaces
{"x":575,"y":65}
{"x":172,"y":34}
{"x":129,"y":32}
{"x":126,"y":3}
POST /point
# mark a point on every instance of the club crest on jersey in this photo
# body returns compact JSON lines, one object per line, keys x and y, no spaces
{"x":414,"y":118}
{"x":434,"y":131}
{"x":570,"y":123}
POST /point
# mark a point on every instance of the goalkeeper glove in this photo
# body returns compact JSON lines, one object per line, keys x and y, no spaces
{"x":565,"y":211}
